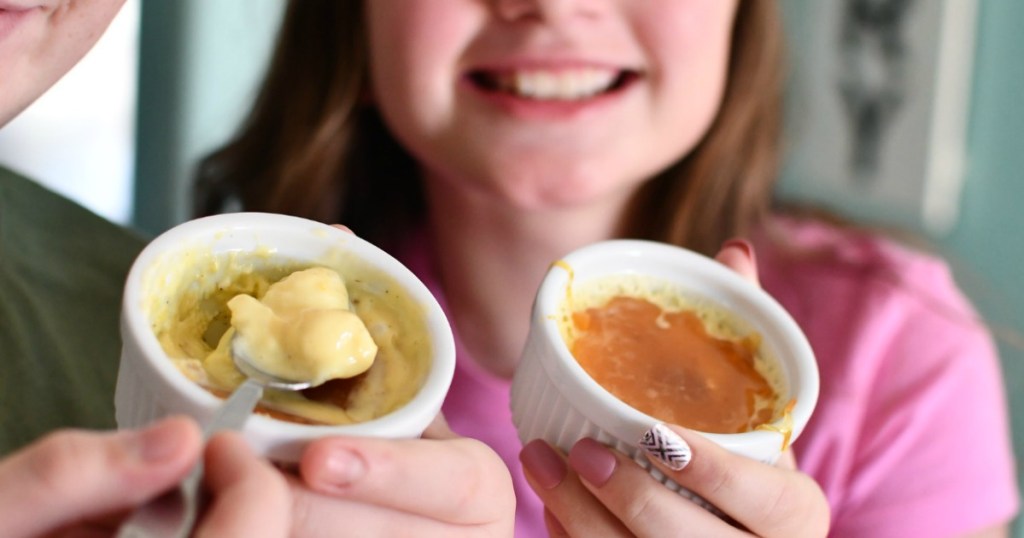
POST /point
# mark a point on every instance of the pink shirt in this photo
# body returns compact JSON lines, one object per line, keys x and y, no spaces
{"x":910,"y":435}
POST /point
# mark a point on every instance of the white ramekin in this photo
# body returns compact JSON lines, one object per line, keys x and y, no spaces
{"x":150,"y":386}
{"x":554,"y":399}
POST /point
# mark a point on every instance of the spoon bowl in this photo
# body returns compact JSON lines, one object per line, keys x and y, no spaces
{"x":242,"y":355}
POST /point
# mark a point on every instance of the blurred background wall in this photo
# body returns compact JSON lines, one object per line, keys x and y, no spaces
{"x":198,"y":62}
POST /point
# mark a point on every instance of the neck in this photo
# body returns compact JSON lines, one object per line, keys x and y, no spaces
{"x":492,"y":258}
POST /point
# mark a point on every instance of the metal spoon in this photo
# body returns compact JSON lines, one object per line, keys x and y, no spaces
{"x":173,"y":514}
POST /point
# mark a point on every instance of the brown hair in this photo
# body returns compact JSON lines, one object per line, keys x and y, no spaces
{"x":723,"y":188}
{"x":310,"y":147}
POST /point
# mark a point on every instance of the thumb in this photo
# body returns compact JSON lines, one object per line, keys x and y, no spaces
{"x":738,"y":255}
{"x":75,"y":475}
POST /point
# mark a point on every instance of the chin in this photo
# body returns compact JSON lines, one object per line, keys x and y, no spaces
{"x":555,"y":190}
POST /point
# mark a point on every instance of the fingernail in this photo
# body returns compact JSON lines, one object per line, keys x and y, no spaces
{"x":156,"y":443}
{"x":666,"y":446}
{"x":543,"y":463}
{"x":743,"y":245}
{"x":593,"y":461}
{"x":343,"y":467}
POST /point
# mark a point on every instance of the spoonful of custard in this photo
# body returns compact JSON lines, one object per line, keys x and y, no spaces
{"x":300,"y":334}
{"x":303,"y":329}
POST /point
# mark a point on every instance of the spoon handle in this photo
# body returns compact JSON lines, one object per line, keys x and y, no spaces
{"x":233,"y":413}
{"x":173,"y":514}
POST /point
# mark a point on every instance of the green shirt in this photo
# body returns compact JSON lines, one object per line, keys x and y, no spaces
{"x":62,"y":272}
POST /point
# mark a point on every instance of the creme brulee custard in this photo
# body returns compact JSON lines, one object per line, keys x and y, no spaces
{"x":671,"y":356}
{"x":301,"y":330}
{"x":353,"y":329}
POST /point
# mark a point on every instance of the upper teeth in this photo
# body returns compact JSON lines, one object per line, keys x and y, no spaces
{"x":562,"y":85}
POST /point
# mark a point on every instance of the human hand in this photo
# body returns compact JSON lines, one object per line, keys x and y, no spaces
{"x":442,"y":485}
{"x":248,"y":496}
{"x":83,"y":483}
{"x":597,"y":491}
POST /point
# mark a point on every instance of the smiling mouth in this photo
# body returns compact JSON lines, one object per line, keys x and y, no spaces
{"x":553,"y":85}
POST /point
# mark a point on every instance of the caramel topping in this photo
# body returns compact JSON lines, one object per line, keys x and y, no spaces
{"x":666,"y":364}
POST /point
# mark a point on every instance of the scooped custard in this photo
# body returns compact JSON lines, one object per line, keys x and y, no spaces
{"x":301,"y":330}
{"x":679,"y":360}
{"x":349,"y":328}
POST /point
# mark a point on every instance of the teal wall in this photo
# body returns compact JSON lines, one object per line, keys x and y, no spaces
{"x":200,"y":61}
{"x":988,"y":244}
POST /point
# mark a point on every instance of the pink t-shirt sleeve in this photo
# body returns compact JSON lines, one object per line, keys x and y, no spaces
{"x":911,"y":436}
{"x":933,"y":456}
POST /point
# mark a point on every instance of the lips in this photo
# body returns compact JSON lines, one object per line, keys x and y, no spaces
{"x":574,"y":84}
{"x":11,"y":16}
{"x":16,"y":6}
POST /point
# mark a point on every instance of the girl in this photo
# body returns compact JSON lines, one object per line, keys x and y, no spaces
{"x":479,"y":140}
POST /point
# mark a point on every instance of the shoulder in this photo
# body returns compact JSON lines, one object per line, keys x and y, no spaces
{"x":15,"y":188}
{"x":816,"y":268}
{"x":34,"y":215}
{"x":62,"y":269}
{"x":908,"y":370}
{"x":888,"y":324}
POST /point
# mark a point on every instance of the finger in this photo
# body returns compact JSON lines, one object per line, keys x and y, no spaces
{"x":343,"y":228}
{"x":787,"y":460}
{"x":84,"y":532}
{"x":459,"y":481}
{"x":644,"y":505}
{"x":738,"y":255}
{"x":74,"y":475}
{"x":250,"y":498}
{"x":320,"y":515}
{"x":555,"y":529}
{"x":439,"y":429}
{"x":571,"y":506}
{"x":768,"y":500}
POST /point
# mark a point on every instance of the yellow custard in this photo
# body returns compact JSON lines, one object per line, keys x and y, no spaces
{"x":302,"y":329}
{"x":388,"y":356}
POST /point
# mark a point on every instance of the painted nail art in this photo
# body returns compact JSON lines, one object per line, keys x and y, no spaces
{"x":543,"y":463}
{"x":667,"y":447}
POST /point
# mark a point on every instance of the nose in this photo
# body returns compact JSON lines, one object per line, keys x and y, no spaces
{"x":544,"y":10}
